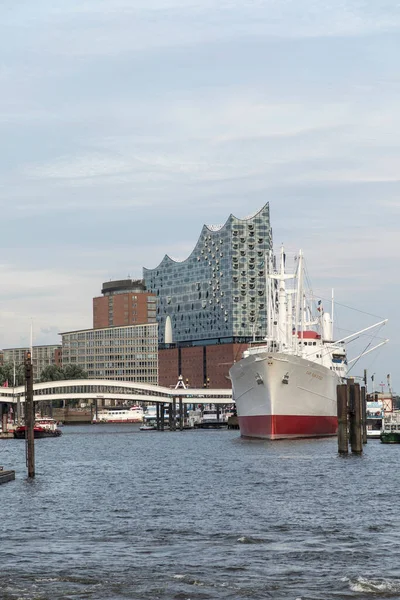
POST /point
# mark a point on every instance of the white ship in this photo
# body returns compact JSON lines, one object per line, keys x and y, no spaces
{"x":120,"y":414}
{"x":286,"y":387}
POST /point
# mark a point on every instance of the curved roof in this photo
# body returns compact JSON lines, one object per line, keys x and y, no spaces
{"x":212,"y":229}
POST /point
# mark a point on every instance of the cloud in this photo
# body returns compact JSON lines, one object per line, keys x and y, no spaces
{"x":127,"y":124}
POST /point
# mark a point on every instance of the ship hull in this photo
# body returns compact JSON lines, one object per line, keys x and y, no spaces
{"x":281,"y":396}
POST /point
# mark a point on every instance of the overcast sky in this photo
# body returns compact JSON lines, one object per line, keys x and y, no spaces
{"x":127,"y":124}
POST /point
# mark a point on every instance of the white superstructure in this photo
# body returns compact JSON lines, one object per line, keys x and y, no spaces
{"x":132,"y":414}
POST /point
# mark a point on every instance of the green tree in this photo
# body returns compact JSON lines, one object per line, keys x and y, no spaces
{"x":7,"y":374}
{"x":74,"y":372}
{"x":56,"y":373}
{"x":52,"y":373}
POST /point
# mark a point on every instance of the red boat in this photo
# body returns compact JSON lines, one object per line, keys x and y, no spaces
{"x":44,"y":427}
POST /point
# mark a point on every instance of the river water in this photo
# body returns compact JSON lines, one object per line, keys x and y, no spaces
{"x":115,"y":513}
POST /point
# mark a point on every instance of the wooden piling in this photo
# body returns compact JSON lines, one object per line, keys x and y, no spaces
{"x":4,"y":420}
{"x":343,"y":442}
{"x":364,"y":414}
{"x":158,"y":424}
{"x":29,"y":417}
{"x":355,"y":413}
{"x":181,"y":414}
{"x":162,"y":415}
{"x":174,"y":414}
{"x":170,"y":416}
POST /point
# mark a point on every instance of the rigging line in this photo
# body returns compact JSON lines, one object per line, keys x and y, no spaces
{"x":365,"y":349}
{"x":352,"y":308}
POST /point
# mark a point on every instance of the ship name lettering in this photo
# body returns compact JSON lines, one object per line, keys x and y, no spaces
{"x":314,"y":375}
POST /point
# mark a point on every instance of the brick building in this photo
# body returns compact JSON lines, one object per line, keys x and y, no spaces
{"x":124,"y":302}
{"x":200,"y":366}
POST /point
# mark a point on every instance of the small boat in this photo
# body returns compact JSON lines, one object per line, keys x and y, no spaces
{"x":149,"y":419}
{"x":148,"y":425}
{"x":374,"y":419}
{"x":212,"y":419}
{"x":391,"y":429}
{"x":44,"y":427}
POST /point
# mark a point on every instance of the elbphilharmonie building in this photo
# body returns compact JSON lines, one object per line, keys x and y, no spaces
{"x":216,"y":295}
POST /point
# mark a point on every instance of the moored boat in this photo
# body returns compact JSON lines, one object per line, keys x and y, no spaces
{"x":286,"y":386}
{"x":391,"y":429}
{"x":44,"y":427}
{"x":374,"y":419}
{"x":120,"y":414}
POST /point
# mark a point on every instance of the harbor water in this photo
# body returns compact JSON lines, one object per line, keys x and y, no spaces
{"x":115,"y":513}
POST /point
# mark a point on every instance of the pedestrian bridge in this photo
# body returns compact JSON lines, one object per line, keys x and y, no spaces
{"x":103,"y":389}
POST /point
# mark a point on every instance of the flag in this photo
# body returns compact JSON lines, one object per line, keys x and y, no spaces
{"x":5,"y":384}
{"x":319,"y":306}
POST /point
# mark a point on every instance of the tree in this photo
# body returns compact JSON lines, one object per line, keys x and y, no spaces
{"x":56,"y":373}
{"x":74,"y":372}
{"x":52,"y":373}
{"x":7,"y":374}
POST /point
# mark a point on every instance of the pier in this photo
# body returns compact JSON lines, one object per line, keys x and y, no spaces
{"x":6,"y":476}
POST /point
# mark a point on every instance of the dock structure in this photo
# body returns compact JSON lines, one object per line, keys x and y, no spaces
{"x":6,"y":476}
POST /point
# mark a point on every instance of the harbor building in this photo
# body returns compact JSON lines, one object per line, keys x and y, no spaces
{"x":124,"y":302}
{"x":127,"y":353}
{"x":213,"y":298}
{"x":42,"y":357}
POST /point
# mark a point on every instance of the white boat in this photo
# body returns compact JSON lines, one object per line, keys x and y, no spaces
{"x":120,"y":414}
{"x":212,"y":418}
{"x":286,"y":386}
{"x":149,"y":419}
{"x":375,"y":416}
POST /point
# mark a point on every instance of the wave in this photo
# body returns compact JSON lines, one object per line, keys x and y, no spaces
{"x":390,"y":587}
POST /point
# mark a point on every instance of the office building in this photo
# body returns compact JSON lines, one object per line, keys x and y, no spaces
{"x":127,"y":353}
{"x":42,"y":357}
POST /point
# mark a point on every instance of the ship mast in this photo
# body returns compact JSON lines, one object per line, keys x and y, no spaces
{"x":299,"y":296}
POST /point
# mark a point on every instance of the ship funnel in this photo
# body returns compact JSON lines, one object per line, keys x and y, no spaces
{"x":327,"y":327}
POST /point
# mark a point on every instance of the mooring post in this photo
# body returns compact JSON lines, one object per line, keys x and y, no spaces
{"x":4,"y":420}
{"x":355,"y":418}
{"x":158,"y":416}
{"x":364,"y":414}
{"x":162,"y":416}
{"x":29,"y":417}
{"x":174,"y":414}
{"x":343,"y":441}
{"x":181,"y":414}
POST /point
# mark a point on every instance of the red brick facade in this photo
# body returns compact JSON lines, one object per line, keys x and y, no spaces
{"x":130,"y":308}
{"x":199,"y":365}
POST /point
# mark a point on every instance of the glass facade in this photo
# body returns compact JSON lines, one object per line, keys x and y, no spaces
{"x":218,"y":292}
{"x":128,"y":353}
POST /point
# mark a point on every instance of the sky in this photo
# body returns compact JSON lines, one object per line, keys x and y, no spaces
{"x":127,"y":124}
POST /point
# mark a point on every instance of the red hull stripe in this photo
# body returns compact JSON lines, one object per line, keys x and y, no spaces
{"x":276,"y":426}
